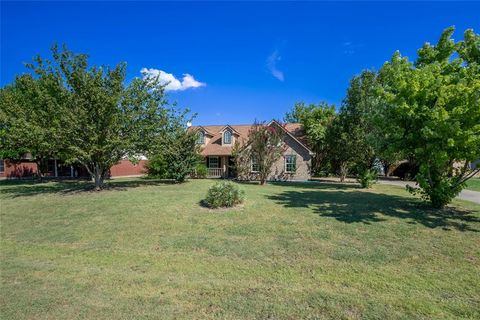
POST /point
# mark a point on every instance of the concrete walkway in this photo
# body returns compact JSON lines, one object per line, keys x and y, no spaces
{"x":469,"y":195}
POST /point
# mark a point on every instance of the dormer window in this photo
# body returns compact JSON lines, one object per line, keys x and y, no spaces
{"x":227,"y":137}
{"x":201,"y":137}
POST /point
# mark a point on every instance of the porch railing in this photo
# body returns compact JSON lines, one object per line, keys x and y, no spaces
{"x":215,"y":172}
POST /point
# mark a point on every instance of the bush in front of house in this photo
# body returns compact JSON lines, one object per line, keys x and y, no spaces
{"x":367,"y":178}
{"x":201,"y":171}
{"x":224,"y":194}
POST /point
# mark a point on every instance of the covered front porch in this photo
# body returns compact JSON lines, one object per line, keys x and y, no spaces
{"x":220,"y":167}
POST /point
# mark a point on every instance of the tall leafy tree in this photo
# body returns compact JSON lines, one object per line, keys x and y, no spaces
{"x":315,"y":119}
{"x":347,"y":138}
{"x":86,"y":114}
{"x":33,"y":117}
{"x":114,"y":120}
{"x":432,"y":112}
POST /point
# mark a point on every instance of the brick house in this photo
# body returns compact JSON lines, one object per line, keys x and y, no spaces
{"x":56,"y":168}
{"x":217,"y":143}
{"x":218,"y":140}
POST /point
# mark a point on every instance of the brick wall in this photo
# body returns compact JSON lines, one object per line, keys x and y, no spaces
{"x":303,"y":162}
{"x":17,"y":170}
{"x":126,"y":168}
{"x":28,"y":169}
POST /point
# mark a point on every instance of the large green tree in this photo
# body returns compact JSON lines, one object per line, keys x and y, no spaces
{"x":315,"y":119}
{"x":86,"y":114}
{"x":33,"y":117}
{"x":347,"y":138}
{"x":431,"y":112}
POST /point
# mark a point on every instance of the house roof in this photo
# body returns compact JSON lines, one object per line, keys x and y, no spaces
{"x":215,"y":147}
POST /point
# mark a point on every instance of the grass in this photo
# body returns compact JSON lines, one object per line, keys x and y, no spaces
{"x":473,"y":184}
{"x":148,"y":250}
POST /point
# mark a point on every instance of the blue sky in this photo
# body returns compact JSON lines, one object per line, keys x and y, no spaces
{"x":243,"y":61}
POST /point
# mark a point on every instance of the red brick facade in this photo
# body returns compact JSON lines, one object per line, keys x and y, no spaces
{"x":28,"y":169}
{"x":23,"y":169}
{"x":126,"y":168}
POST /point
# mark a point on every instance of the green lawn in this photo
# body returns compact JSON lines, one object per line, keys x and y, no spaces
{"x":473,"y":184}
{"x":147,"y":250}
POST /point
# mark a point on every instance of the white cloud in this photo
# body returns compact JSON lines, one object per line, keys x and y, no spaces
{"x":272,"y":65}
{"x":350,"y":47}
{"x":172,"y":83}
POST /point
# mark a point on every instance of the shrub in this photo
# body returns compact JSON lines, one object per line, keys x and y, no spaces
{"x":201,"y":171}
{"x":224,"y":194}
{"x":367,"y":178}
{"x":439,"y":189}
{"x":157,"y":167}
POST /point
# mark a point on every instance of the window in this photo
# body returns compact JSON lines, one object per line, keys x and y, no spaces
{"x":290,"y":163}
{"x":213,"y":162}
{"x":227,"y":137}
{"x":201,"y":137}
{"x":2,"y":166}
{"x":255,"y":166}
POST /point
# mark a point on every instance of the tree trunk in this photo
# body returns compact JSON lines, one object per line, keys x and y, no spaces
{"x":262,"y":181}
{"x":98,"y":177}
{"x":40,"y":162}
{"x":343,"y":172}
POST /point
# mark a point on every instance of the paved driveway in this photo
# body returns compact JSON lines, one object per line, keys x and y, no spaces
{"x":468,"y":195}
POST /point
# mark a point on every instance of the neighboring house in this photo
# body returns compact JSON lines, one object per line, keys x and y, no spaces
{"x":56,"y":168}
{"x":217,"y":142}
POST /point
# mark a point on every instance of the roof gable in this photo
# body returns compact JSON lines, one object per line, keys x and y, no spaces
{"x":215,"y":147}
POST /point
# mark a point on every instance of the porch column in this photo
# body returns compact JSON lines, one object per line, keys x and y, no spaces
{"x":71,"y":171}
{"x":224,"y":167}
{"x":56,"y":169}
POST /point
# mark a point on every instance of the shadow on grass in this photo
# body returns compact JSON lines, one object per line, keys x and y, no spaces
{"x":21,"y":188}
{"x":365,"y":207}
{"x":316,"y":185}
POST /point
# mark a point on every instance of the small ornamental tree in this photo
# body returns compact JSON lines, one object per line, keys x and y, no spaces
{"x":264,"y":147}
{"x":241,"y":158}
{"x":432,"y":113}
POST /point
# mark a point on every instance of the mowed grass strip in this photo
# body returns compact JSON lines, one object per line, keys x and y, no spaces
{"x":146,"y":250}
{"x":473,"y":184}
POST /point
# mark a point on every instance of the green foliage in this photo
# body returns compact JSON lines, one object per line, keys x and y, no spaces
{"x":177,"y":157}
{"x":431,"y":112}
{"x":224,"y":194}
{"x":315,"y":119}
{"x":201,"y":170}
{"x":265,"y":146}
{"x":367,"y":178}
{"x":87,"y":114}
{"x":242,"y":160}
{"x":157,"y":167}
{"x":438,"y":188}
{"x":33,"y":117}
{"x":348,"y":138}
